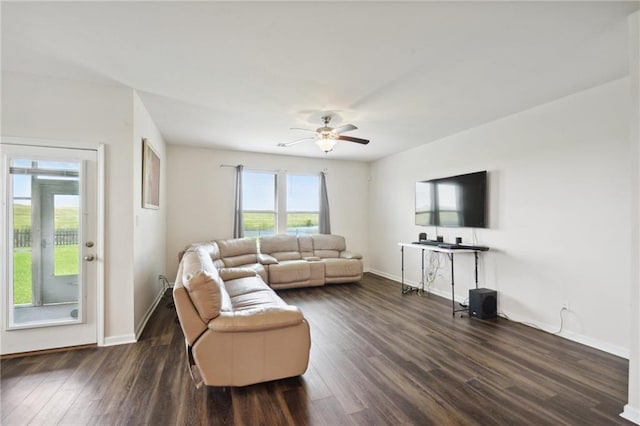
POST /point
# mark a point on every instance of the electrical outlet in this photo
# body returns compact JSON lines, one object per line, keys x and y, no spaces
{"x":565,"y":305}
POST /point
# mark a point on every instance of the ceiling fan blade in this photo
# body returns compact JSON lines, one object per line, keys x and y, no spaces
{"x":297,"y":141}
{"x":300,"y":128}
{"x":356,"y":140}
{"x":344,"y":128}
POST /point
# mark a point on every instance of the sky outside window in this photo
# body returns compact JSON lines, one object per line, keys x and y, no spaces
{"x":303,"y":193}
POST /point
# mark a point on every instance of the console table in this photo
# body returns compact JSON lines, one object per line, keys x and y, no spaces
{"x":450,"y":252}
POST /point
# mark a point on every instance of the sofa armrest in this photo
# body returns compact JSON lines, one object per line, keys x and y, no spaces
{"x":266,"y":259}
{"x":350,"y":255}
{"x":228,"y":274}
{"x":255,"y":319}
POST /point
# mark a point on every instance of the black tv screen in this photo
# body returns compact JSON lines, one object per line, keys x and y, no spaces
{"x":456,"y":201}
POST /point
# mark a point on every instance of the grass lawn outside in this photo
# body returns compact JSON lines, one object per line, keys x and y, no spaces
{"x":66,"y":217}
{"x":257,"y":221}
{"x":300,"y":220}
{"x":257,"y":224}
{"x":67,"y":261}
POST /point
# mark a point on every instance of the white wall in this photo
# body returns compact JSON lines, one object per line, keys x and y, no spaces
{"x":149,"y":226}
{"x":35,"y":107}
{"x":201,"y":195}
{"x":559,"y":213}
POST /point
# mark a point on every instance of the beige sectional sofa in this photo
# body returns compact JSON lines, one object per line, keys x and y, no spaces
{"x":238,"y":331}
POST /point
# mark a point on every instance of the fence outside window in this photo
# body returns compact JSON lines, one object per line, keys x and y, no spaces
{"x":62,"y":237}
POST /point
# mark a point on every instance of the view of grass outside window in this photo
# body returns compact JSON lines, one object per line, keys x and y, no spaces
{"x":303,"y":204}
{"x":63,"y":237}
{"x":259,"y":203}
{"x":66,"y":255}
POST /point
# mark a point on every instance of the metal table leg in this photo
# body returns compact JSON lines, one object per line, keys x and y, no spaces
{"x":402,"y":269}
{"x":453,"y":293}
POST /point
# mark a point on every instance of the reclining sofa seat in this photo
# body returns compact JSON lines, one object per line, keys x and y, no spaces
{"x":308,"y":260}
{"x":340,"y":265}
{"x":240,"y":252}
{"x":237,"y":330}
{"x":286,"y":266}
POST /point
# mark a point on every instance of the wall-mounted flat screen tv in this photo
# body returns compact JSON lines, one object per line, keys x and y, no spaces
{"x":456,"y":201}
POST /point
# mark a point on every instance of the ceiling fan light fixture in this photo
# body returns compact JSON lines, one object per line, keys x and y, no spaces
{"x":327,"y":137}
{"x":326,"y":143}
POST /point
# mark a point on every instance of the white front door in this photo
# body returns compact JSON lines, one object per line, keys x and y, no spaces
{"x":49,"y":232}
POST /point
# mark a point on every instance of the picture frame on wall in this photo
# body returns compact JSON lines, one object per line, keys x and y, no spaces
{"x":150,"y":176}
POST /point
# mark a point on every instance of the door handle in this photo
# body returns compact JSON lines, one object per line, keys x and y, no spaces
{"x":90,"y":258}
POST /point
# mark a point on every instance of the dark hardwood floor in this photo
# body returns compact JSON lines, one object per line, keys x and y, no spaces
{"x":377,"y":357}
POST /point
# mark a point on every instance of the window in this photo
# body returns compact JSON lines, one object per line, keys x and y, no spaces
{"x":264,"y":196}
{"x":303,"y":204}
{"x":259,"y":203}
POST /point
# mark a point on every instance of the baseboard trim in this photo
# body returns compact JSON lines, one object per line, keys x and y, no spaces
{"x":123,"y":339}
{"x":569,"y":335}
{"x":597,"y":344}
{"x":147,"y":315}
{"x":48,"y":351}
{"x":631,"y":413}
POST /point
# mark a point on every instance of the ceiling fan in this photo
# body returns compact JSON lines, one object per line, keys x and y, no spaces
{"x":326,"y":137}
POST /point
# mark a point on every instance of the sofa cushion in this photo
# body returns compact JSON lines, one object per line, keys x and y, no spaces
{"x":287,"y":255}
{"x":338,"y":268}
{"x":328,"y":242}
{"x":205,"y":290}
{"x":282,"y":247}
{"x":252,"y":292}
{"x":266,"y":259}
{"x":258,"y":318}
{"x":245,"y":285}
{"x":243,"y":259}
{"x":289,"y":272}
{"x":328,"y":246}
{"x":238,"y":251}
{"x":350,"y":255}
{"x":262,"y":298}
{"x":327,"y":254}
{"x":228,"y":274}
{"x":211,"y":248}
{"x":305,"y":245}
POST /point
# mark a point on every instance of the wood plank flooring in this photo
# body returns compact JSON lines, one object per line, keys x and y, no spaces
{"x":377,"y":357}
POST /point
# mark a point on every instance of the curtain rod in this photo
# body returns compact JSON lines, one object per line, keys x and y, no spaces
{"x":325,"y":171}
{"x":251,"y":168}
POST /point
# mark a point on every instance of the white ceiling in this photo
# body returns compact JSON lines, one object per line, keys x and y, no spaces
{"x":238,"y":75}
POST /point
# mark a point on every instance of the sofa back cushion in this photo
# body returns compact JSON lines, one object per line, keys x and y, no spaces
{"x":238,"y":251}
{"x":203,"y":283}
{"x":282,"y":247}
{"x":205,"y":291}
{"x":305,"y":244}
{"x":209,"y":247}
{"x":328,"y":246}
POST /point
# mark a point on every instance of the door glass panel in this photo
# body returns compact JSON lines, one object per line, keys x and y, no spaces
{"x":22,"y":291}
{"x":46,"y":233}
{"x":66,"y":221}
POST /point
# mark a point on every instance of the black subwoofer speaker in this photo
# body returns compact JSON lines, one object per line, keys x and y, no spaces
{"x":483,"y":303}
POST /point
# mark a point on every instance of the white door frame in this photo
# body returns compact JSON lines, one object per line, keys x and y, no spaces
{"x":100,"y":214}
